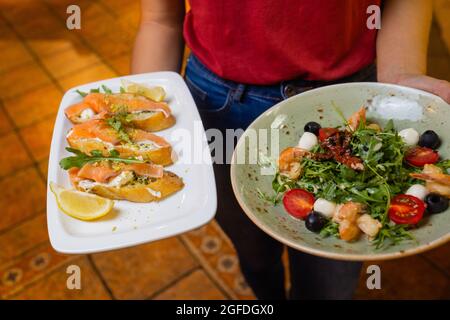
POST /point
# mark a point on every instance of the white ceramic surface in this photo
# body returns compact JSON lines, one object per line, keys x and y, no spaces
{"x":135,"y":223}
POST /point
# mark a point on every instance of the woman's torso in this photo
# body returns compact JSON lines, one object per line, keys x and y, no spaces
{"x":268,"y":41}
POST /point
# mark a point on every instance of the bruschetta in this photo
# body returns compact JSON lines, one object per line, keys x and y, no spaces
{"x":141,"y":112}
{"x":137,"y":182}
{"x":97,"y":134}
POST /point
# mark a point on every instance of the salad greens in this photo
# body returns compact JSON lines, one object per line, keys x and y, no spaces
{"x":80,"y":159}
{"x":385,"y":176}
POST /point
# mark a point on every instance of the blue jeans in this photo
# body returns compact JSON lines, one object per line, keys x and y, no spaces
{"x":225,"y":104}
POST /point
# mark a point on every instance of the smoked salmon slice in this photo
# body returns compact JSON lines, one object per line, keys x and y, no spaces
{"x":98,"y":135}
{"x":114,"y":103}
{"x":103,"y":171}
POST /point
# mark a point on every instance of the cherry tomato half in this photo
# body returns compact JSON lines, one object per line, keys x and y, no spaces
{"x":325,"y":133}
{"x":298,"y":203}
{"x":420,"y":156}
{"x":406,"y":209}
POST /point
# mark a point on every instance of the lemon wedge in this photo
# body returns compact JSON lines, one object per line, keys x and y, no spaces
{"x":81,"y":205}
{"x":156,"y":94}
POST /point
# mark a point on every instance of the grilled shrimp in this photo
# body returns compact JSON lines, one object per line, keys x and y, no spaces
{"x":436,"y":181}
{"x":356,"y":118}
{"x":289,"y":161}
{"x":347,"y":216}
{"x":369,"y":225}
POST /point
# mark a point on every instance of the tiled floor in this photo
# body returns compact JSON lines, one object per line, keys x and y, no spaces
{"x":39,"y":60}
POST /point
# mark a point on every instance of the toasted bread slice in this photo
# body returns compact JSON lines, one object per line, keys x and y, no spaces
{"x":142,"y":112}
{"x":137,"y":182}
{"x":97,"y":135}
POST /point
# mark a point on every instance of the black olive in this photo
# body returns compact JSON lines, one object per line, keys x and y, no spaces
{"x":315,"y":221}
{"x":436,"y":203}
{"x":429,"y":139}
{"x":312,"y":127}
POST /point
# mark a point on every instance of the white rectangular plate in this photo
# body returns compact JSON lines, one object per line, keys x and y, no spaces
{"x":131,"y":223}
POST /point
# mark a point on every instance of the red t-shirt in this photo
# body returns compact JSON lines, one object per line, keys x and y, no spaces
{"x":268,"y":41}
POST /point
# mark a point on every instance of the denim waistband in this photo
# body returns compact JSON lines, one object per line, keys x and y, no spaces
{"x":284,"y":89}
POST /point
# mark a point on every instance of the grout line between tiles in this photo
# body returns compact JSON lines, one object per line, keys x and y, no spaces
{"x":209,"y":271}
{"x":174,"y":282}
{"x":100,"y":276}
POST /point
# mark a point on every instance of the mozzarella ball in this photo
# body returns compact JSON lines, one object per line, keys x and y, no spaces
{"x":325,"y":207}
{"x":307,"y":141}
{"x":409,"y":136}
{"x":418,"y":191}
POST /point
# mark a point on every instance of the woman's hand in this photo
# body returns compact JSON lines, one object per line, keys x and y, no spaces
{"x":438,"y":87}
{"x":402,"y":46}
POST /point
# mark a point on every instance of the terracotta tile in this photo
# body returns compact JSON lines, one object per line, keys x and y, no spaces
{"x":138,"y":272}
{"x":440,"y":256}
{"x":43,"y":167}
{"x":23,"y":194}
{"x":94,"y":73}
{"x":23,"y":238}
{"x":96,"y":21}
{"x":21,"y":79}
{"x":195,"y":286}
{"x":216,"y":254}
{"x":111,"y":44}
{"x":69,"y":61}
{"x":35,"y":20}
{"x":34,"y":105}
{"x":120,"y":6}
{"x":15,"y":157}
{"x":57,"y":41}
{"x":59,"y":7}
{"x":29,"y":268}
{"x":12,"y":52}
{"x":121,"y":64}
{"x":5,"y":125}
{"x":38,"y":138}
{"x":54,"y":287}
{"x":406,"y":278}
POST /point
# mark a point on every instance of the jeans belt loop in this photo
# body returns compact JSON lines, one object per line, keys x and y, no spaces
{"x":239,"y":92}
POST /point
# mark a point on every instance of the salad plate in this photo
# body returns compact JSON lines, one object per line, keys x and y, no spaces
{"x":254,"y":168}
{"x":133,"y":223}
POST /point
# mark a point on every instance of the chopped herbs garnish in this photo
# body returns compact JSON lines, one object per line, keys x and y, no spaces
{"x":116,"y":122}
{"x":80,"y":158}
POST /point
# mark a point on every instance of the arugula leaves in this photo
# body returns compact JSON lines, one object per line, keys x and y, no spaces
{"x":330,"y":229}
{"x":80,"y":159}
{"x":385,"y":175}
{"x":94,"y":90}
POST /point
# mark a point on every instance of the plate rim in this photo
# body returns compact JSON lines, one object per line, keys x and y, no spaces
{"x":317,"y":252}
{"x":62,"y":241}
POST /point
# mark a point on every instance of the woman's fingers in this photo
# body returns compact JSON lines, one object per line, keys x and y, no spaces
{"x":438,"y":87}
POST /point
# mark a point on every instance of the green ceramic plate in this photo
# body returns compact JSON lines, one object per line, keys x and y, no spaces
{"x":250,"y":173}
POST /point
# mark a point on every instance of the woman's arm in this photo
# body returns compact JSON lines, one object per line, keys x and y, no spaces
{"x":159,"y":42}
{"x":402,"y":46}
